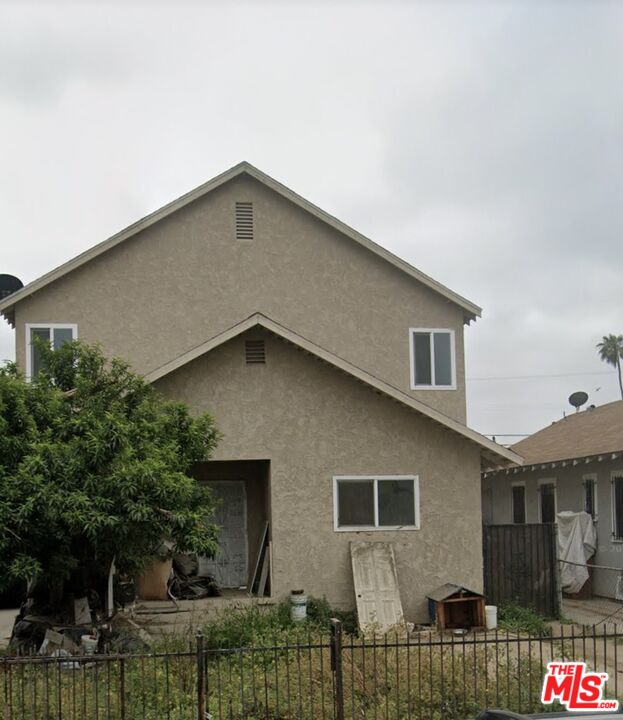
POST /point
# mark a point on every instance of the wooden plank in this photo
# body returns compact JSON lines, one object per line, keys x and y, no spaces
{"x":258,"y":559}
{"x":261,"y":590}
{"x":441,"y":616}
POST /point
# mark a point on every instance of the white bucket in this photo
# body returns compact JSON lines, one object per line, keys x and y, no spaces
{"x":89,"y":644}
{"x":491,"y":617}
{"x":298,"y":605}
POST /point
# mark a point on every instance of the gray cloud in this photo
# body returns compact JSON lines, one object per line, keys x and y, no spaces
{"x":480,"y":141}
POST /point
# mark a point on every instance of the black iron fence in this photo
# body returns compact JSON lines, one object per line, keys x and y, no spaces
{"x":424,"y":676}
{"x":521,"y":566}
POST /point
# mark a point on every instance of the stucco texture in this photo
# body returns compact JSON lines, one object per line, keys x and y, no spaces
{"x":186,"y":279}
{"x":313,"y":422}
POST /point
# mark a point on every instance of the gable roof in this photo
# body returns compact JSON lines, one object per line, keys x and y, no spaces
{"x":470,"y":310}
{"x":490,"y":451}
{"x":597,"y":431}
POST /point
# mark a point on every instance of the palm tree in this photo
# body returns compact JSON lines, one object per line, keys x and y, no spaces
{"x":611,"y":351}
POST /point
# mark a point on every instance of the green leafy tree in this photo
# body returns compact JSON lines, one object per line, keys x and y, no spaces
{"x":93,"y":466}
{"x":611,"y":351}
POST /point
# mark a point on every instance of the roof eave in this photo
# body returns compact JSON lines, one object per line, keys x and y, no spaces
{"x":532,"y":465}
{"x":9,"y":315}
{"x":489,"y":450}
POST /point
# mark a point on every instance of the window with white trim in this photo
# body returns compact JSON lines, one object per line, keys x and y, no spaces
{"x":617,"y":505}
{"x":381,"y":502}
{"x":589,"y":487}
{"x":547,"y":501}
{"x":518,"y":502}
{"x":56,"y":334}
{"x":433,"y":363}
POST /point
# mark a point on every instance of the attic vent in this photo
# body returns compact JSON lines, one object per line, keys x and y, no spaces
{"x":244,"y":221}
{"x":254,"y":352}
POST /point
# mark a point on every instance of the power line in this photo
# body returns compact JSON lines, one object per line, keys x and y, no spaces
{"x":534,"y":377}
{"x":508,"y":434}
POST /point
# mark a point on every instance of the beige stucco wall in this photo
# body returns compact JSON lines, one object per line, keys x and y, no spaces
{"x":314,"y":422}
{"x":186,"y":279}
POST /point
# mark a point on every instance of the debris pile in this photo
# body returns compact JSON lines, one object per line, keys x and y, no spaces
{"x":186,"y":584}
{"x":78,"y":626}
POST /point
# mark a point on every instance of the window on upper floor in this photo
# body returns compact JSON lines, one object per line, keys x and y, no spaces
{"x":433,"y":363}
{"x":376,"y":503}
{"x":56,"y":334}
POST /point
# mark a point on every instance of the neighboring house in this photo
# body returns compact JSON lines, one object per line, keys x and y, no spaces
{"x":334,"y":369}
{"x":573,"y":464}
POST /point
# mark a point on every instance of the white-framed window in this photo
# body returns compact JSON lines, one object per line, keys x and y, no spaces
{"x":616,"y":480}
{"x":56,"y":334}
{"x":589,"y":494}
{"x":518,"y":502}
{"x":433,"y":359}
{"x":376,"y":502}
{"x":548,"y":502}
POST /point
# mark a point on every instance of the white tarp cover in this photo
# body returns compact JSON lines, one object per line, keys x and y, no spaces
{"x":577,"y":542}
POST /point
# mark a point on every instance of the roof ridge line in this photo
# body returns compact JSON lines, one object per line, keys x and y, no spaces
{"x":470,"y":310}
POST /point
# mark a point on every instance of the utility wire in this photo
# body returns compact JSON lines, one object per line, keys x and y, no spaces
{"x":533,"y":377}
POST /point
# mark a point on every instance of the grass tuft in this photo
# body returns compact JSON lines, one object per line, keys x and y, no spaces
{"x":520,"y":619}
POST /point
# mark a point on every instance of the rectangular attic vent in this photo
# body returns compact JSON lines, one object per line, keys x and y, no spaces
{"x":254,"y":352}
{"x":244,"y":221}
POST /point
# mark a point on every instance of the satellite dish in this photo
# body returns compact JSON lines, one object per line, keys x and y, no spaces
{"x":577,"y":399}
{"x":8,"y":285}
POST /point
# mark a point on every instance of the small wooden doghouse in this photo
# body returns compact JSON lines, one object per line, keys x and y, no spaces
{"x":453,"y":606}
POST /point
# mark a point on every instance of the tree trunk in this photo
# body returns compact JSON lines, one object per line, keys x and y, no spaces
{"x":619,"y":371}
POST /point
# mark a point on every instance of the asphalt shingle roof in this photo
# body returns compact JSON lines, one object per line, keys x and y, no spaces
{"x":589,"y":432}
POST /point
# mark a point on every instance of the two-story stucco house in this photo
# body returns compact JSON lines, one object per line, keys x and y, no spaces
{"x":334,"y":369}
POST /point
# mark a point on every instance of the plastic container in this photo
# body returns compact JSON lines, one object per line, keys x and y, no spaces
{"x":298,"y":605}
{"x":89,"y":644}
{"x":491,"y":617}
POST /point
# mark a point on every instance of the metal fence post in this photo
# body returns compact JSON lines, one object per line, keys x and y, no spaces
{"x":201,"y":686}
{"x":336,"y":667}
{"x":121,"y":689}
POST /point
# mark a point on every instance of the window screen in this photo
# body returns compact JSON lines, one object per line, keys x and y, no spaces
{"x":355,"y":503}
{"x":56,"y":337}
{"x":396,"y":502}
{"x":421,"y":354}
{"x":548,"y":503}
{"x":589,"y":497}
{"x":432,"y":355}
{"x":519,"y":504}
{"x":377,"y":502}
{"x":61,"y":336}
{"x":443,"y":359}
{"x":42,"y":334}
{"x":617,"y":512}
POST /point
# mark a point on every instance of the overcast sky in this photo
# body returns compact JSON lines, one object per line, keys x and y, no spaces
{"x":482,"y":142}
